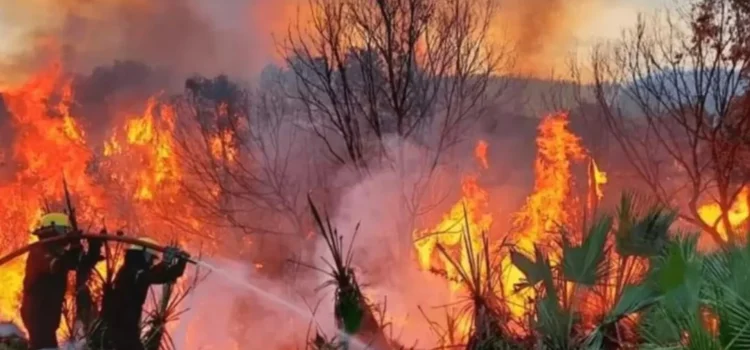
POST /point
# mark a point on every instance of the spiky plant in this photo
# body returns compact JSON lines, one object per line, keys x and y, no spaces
{"x":706,"y":299}
{"x":68,"y":316}
{"x":354,"y":316}
{"x":616,"y":277}
{"x":168,"y":308}
{"x":641,"y":235}
{"x":558,"y":311}
{"x":726,"y":294}
{"x":156,"y":322}
{"x":322,"y":343}
{"x":483,"y":284}
{"x":102,"y":283}
{"x":448,"y":333}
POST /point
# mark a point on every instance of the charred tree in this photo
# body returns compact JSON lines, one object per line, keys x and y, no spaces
{"x":370,"y":69}
{"x":237,"y":148}
{"x":378,"y":82}
{"x":675,"y":100}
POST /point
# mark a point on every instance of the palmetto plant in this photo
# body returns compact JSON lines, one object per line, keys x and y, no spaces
{"x":705,"y":301}
{"x":603,"y":276}
{"x":641,"y":235}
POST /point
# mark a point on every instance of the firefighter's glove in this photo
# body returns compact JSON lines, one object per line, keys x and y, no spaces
{"x":171,"y":254}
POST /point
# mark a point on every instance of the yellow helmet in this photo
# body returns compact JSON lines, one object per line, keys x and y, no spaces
{"x":136,"y":246}
{"x":53,"y":224}
{"x":54,"y":219}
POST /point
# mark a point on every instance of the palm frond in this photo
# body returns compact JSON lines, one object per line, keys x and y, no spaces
{"x":535,"y":271}
{"x":642,"y":227}
{"x":585,"y":264}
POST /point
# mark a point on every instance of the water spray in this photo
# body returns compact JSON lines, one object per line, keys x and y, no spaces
{"x":353,"y":341}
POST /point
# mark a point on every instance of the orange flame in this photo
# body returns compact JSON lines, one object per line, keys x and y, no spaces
{"x":549,"y":204}
{"x":480,"y":152}
{"x":222,"y":146}
{"x":738,"y":214}
{"x":48,"y":145}
{"x":600,"y":179}
{"x":139,"y":157}
{"x":470,"y":210}
{"x":547,"y":207}
{"x":137,"y":160}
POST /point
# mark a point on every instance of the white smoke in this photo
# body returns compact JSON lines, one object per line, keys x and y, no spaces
{"x":217,"y":319}
{"x":10,"y":330}
{"x":383,"y":249}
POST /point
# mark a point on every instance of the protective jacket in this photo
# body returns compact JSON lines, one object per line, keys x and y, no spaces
{"x":123,"y":303}
{"x":44,"y":286}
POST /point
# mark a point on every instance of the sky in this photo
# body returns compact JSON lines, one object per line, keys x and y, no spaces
{"x":617,"y":15}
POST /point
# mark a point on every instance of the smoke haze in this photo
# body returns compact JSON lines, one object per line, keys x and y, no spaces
{"x":237,"y":37}
{"x":542,"y":33}
{"x":185,"y":36}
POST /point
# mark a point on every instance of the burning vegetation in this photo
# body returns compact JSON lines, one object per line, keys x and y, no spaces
{"x":377,"y":145}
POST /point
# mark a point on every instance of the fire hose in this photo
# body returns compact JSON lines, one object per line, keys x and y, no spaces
{"x":122,"y":239}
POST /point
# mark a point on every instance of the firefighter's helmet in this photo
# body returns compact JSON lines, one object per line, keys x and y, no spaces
{"x":149,"y":252}
{"x":53,"y":223}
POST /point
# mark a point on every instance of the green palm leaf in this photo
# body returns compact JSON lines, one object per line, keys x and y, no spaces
{"x":676,"y":276}
{"x":642,"y":231}
{"x":584,"y":264}
{"x":554,"y":323}
{"x":535,"y":271}
{"x":349,"y":311}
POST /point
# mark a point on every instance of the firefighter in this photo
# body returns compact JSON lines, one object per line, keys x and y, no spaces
{"x":123,"y":303}
{"x":46,"y":277}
